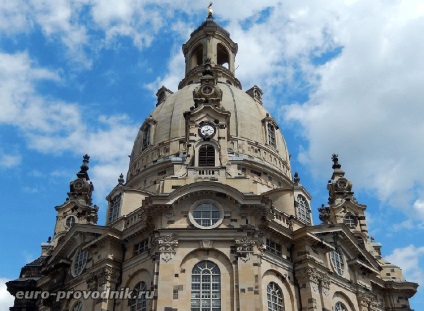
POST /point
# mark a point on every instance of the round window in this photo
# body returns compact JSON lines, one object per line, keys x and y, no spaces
{"x":206,"y":214}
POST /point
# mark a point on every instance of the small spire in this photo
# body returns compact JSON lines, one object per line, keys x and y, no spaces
{"x":210,"y":10}
{"x":84,"y":167}
{"x":296,"y":178}
{"x":335,"y":159}
{"x":121,"y":179}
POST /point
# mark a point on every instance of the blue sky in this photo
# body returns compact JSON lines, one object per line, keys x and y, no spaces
{"x":342,"y":77}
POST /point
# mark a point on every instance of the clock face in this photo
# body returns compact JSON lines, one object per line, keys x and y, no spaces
{"x":207,"y":130}
{"x":207,"y":90}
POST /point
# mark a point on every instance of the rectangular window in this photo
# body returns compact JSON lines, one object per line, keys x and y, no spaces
{"x":274,"y":247}
{"x":141,"y":247}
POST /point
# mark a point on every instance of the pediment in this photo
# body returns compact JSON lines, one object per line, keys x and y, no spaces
{"x":79,"y":235}
{"x":340,"y":236}
{"x":350,"y":206}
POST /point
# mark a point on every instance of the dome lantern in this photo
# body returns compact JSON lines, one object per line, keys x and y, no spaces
{"x":210,"y":42}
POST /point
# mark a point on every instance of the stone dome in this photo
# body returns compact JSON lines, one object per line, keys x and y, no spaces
{"x":246,"y":139}
{"x":247,"y":129}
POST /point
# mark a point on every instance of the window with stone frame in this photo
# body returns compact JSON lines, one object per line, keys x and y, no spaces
{"x":271,"y":134}
{"x":79,"y":262}
{"x":146,"y":136}
{"x":207,"y":155}
{"x":206,"y":287}
{"x":340,"y":307}
{"x":337,"y":261}
{"x":70,"y":221}
{"x":274,"y":247}
{"x":303,"y":210}
{"x":350,"y":220}
{"x":115,"y":209}
{"x":141,"y":247}
{"x":139,"y":303}
{"x":206,"y":214}
{"x":274,"y":297}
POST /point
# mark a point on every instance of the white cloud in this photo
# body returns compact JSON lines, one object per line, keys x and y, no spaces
{"x":54,"y":127}
{"x":9,"y":160}
{"x":367,"y":103}
{"x":409,"y":259}
{"x":6,"y":299}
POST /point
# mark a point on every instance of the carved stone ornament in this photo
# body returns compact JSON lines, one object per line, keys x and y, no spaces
{"x":376,"y":305}
{"x":107,"y":274}
{"x":311,"y":275}
{"x":167,"y":246}
{"x":325,"y":284}
{"x":364,"y":301}
{"x":324,"y":214}
{"x":244,"y":247}
{"x":92,"y":282}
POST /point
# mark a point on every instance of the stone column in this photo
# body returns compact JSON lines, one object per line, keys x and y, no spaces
{"x":326,"y":301}
{"x":248,"y":285}
{"x":166,"y":248}
{"x":308,"y":279}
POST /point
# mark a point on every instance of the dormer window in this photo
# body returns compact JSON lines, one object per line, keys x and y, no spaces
{"x":146,"y":136}
{"x":270,"y":127}
{"x":271,"y":135}
{"x":115,"y":209}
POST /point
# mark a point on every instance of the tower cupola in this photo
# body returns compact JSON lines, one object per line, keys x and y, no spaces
{"x":210,"y":43}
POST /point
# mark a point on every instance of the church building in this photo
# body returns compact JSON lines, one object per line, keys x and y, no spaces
{"x":210,"y":216}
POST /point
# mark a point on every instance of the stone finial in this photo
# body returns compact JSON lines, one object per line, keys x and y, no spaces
{"x":335,"y":159}
{"x":84,"y":167}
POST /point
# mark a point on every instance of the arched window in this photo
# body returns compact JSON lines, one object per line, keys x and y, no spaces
{"x":223,"y":58}
{"x":274,"y":297}
{"x":70,"y":221}
{"x":303,"y":211}
{"x":197,"y":56}
{"x":140,"y":302}
{"x":77,"y":306}
{"x":207,"y":155}
{"x":337,"y":261}
{"x":340,"y":307}
{"x":206,"y":287}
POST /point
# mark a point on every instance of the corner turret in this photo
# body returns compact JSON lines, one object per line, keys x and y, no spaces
{"x":78,"y":208}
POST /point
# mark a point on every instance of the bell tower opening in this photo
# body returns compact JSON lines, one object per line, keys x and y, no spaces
{"x":223,"y":57}
{"x":197,"y":56}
